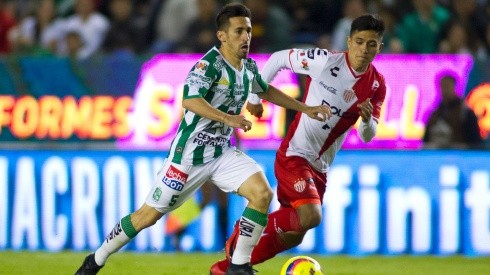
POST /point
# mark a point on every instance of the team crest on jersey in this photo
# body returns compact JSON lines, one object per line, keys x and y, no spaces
{"x":304,"y":64}
{"x":300,"y":186}
{"x":174,"y":178}
{"x":375,"y":85}
{"x":349,"y":95}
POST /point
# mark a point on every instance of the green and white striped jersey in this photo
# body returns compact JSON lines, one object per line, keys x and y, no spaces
{"x":199,"y":139}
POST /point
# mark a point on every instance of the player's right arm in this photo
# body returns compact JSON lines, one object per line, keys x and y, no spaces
{"x":202,"y":108}
{"x":197,"y":84}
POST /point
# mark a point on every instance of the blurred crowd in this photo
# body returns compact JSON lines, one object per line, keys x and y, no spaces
{"x":82,"y":28}
{"x":134,"y":29}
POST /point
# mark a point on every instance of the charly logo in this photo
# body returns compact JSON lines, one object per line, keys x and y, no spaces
{"x":375,"y":85}
{"x":300,"y":185}
{"x":157,"y":194}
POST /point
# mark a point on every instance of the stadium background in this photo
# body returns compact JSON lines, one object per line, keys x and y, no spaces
{"x":81,"y":139}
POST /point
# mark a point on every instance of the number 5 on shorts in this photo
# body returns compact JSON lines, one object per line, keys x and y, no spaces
{"x":173,"y":200}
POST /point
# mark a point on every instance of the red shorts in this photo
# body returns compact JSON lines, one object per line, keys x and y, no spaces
{"x":297,"y":182}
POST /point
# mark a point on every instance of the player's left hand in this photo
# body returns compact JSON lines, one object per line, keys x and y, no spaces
{"x":255,"y":109}
{"x":365,"y":110}
{"x":320,"y":113}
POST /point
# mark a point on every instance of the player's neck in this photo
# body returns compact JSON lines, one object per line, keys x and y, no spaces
{"x":232,"y":59}
{"x":360,"y":69}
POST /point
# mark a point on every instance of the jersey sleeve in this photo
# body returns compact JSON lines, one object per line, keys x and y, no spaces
{"x":199,"y":80}
{"x":259,"y":85}
{"x":254,"y":99}
{"x":378,"y":98}
{"x":308,"y":61}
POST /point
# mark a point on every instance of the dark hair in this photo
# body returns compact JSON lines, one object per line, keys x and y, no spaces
{"x":368,"y":22}
{"x":452,"y":78}
{"x":229,"y":11}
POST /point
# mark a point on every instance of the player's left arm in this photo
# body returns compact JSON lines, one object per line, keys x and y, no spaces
{"x":369,"y":111}
{"x":303,"y":61}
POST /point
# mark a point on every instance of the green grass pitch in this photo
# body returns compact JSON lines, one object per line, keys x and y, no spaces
{"x":24,"y":262}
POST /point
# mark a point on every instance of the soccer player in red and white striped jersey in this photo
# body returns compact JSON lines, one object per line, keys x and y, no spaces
{"x":351,"y":86}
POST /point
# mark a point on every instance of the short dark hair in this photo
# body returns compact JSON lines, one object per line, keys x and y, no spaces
{"x":368,"y":22}
{"x":452,"y":78}
{"x":229,"y":11}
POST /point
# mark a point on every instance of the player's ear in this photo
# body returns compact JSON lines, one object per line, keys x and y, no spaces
{"x":221,"y":36}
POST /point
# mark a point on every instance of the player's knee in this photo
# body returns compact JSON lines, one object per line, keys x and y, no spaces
{"x":311,"y":220}
{"x":264,"y":195}
{"x":261,"y":196}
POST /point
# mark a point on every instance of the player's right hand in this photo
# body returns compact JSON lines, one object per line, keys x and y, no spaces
{"x":238,"y":121}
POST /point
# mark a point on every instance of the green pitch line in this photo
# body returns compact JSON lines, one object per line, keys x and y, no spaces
{"x":23,"y":262}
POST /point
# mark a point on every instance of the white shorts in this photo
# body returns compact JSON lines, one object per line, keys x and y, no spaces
{"x":175,"y":183}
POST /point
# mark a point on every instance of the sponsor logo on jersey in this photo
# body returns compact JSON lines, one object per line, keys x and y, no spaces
{"x":195,"y":79}
{"x":238,"y":89}
{"x":375,"y":85}
{"x":219,"y":63}
{"x":328,"y":88}
{"x":174,"y":178}
{"x":304,"y":64}
{"x":300,"y":185}
{"x":223,"y":81}
{"x":217,"y":90}
{"x":349,"y":95}
{"x":337,"y":111}
{"x":219,"y":141}
{"x":251,"y":66}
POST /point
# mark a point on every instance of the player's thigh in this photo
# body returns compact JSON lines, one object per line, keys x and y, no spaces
{"x":176,"y":183}
{"x":233,"y":169}
{"x":296,"y":182}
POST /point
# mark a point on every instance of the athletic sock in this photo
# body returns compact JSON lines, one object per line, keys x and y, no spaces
{"x":251,"y":226}
{"x":283,"y":220}
{"x":120,"y":235}
{"x":269,"y":246}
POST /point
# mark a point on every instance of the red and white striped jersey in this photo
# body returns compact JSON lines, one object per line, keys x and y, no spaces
{"x":331,"y":81}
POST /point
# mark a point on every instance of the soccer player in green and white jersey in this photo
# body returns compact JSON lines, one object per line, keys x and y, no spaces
{"x":214,"y":93}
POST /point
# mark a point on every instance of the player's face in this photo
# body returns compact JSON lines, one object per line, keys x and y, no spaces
{"x":363,"y":47}
{"x":236,"y":39}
